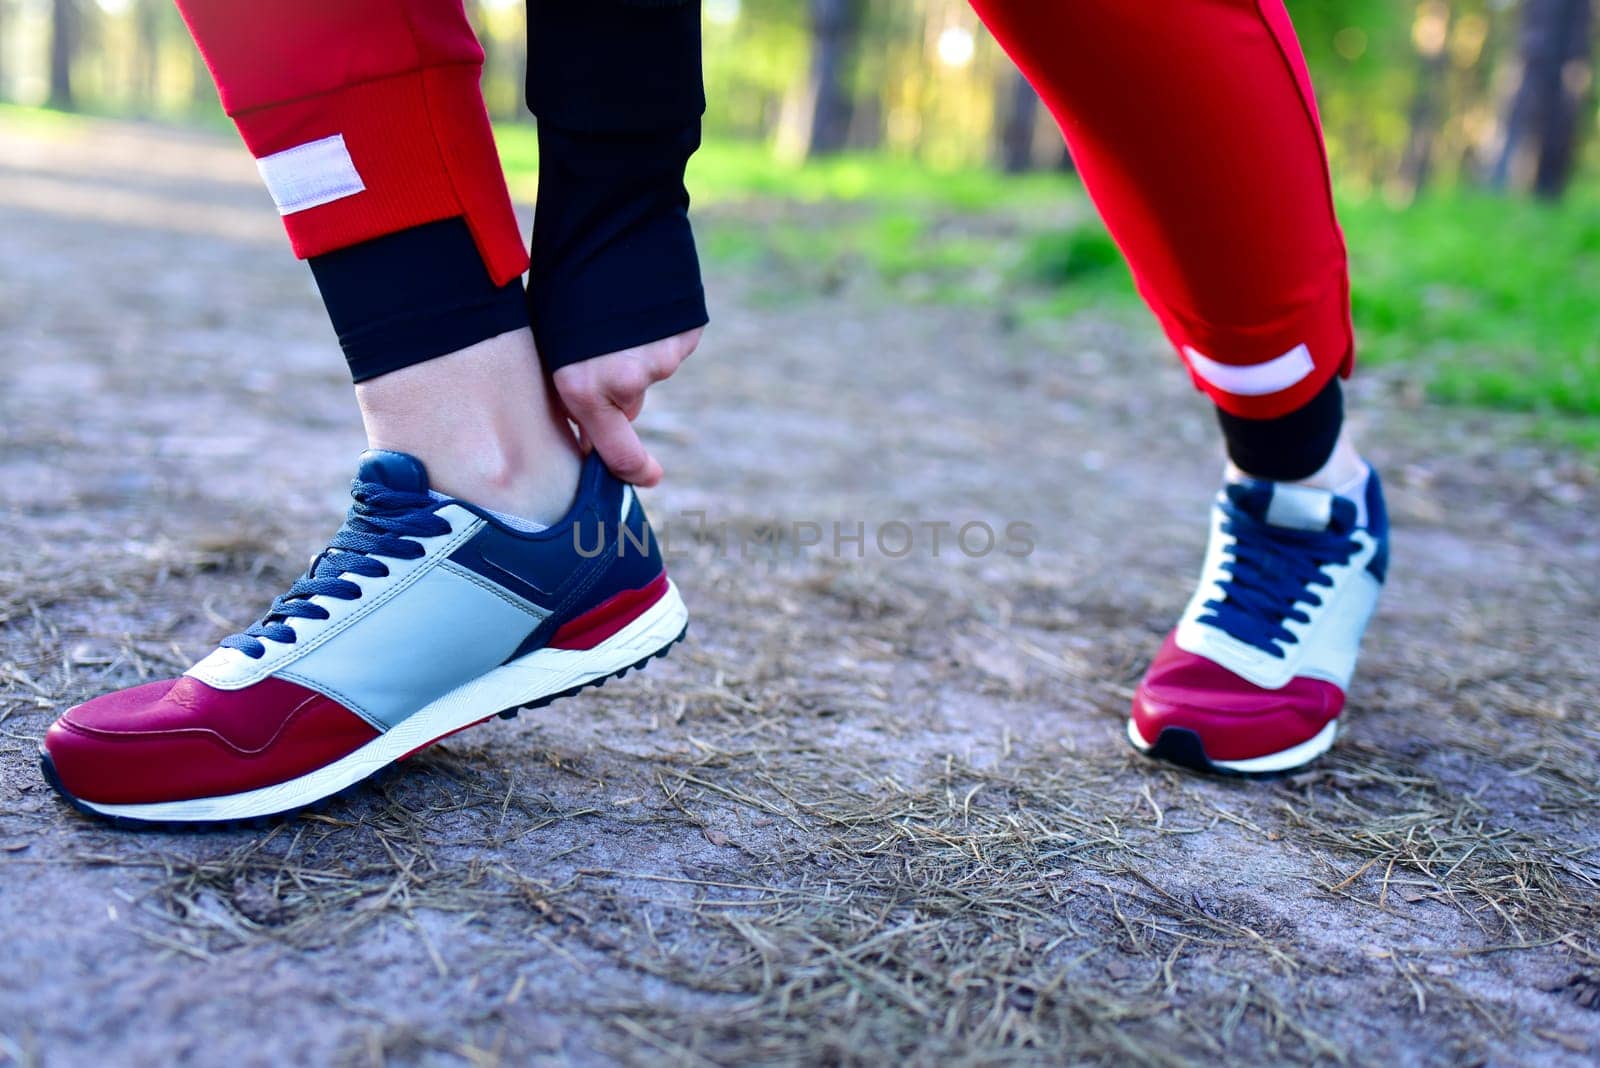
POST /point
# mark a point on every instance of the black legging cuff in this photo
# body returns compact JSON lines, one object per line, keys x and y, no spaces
{"x":413,"y":295}
{"x":613,"y":257}
{"x":1291,"y":447}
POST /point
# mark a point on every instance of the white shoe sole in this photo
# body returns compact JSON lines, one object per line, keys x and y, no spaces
{"x":1285,"y":760}
{"x":542,"y":675}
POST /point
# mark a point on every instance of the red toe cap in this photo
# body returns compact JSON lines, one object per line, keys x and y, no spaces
{"x":181,"y":739}
{"x":1234,"y":718}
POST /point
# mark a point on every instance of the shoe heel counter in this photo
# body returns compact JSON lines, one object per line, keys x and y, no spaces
{"x":623,"y":551}
{"x":631,"y":580}
{"x":638,"y":552}
{"x":616,"y":565}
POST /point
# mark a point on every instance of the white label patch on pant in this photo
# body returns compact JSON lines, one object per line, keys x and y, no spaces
{"x":317,"y":172}
{"x":1257,"y":379}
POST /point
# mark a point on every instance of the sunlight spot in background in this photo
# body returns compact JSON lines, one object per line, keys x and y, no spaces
{"x":722,"y":12}
{"x":114,"y":7}
{"x":1432,"y":28}
{"x":1350,"y":42}
{"x":956,"y":46}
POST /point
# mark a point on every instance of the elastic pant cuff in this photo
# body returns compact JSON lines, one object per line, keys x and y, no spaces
{"x":570,"y":341}
{"x":1291,"y":447}
{"x":414,"y":295}
{"x":1265,"y":369}
{"x":422,"y":149}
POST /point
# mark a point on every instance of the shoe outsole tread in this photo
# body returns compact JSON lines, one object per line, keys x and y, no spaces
{"x":47,"y":767}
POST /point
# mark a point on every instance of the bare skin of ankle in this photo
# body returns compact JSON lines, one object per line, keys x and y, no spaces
{"x":1342,"y":468}
{"x":484,"y":422}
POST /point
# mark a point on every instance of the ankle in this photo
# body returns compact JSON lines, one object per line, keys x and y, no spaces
{"x":497,"y":473}
{"x":483,"y":423}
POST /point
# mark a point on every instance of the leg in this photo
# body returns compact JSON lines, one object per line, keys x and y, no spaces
{"x":431,"y":609}
{"x":1196,"y":133}
{"x":368,"y":126}
{"x":1193,"y":126}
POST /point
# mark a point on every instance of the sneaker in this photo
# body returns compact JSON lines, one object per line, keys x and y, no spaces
{"x":423,"y":616}
{"x":1253,"y":679}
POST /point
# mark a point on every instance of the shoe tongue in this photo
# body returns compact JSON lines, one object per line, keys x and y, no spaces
{"x":1281,"y":504}
{"x":397,"y":470}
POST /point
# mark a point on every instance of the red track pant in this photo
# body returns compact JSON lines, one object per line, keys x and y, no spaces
{"x":1191,"y":121}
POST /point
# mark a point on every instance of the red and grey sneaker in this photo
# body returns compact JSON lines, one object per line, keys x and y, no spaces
{"x":1253,"y":679}
{"x":423,"y":615}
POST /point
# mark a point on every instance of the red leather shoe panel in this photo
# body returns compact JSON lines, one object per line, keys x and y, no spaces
{"x":181,"y":739}
{"x":1235,"y":719}
{"x":610,"y":616}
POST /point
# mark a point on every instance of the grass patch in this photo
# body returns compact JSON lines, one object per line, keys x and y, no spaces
{"x":724,"y":171}
{"x":38,"y":120}
{"x":45,"y":121}
{"x":1496,"y":295}
{"x":1083,"y":255}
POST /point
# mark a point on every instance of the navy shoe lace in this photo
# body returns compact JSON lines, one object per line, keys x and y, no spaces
{"x":1271,"y":573}
{"x":378,"y":524}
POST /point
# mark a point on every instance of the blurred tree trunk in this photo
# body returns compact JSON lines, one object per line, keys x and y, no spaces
{"x":835,"y":32}
{"x":202,"y":92}
{"x":64,"y":18}
{"x":5,"y":10}
{"x":1017,"y":125}
{"x":513,"y":53}
{"x":486,"y":41}
{"x":1472,"y":159}
{"x":1430,"y":34}
{"x":1541,"y":123}
{"x":147,"y":58}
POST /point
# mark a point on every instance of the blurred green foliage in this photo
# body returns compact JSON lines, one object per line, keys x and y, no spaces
{"x":1078,"y":255}
{"x":1487,"y":301}
{"x":1498,"y":299}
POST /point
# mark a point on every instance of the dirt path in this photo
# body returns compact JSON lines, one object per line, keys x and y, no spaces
{"x":876,"y":810}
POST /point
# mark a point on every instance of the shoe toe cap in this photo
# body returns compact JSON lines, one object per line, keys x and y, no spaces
{"x":1234,"y":718}
{"x":90,"y":744}
{"x":180,"y":739}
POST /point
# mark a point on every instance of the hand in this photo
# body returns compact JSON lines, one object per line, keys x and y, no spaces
{"x":604,"y":395}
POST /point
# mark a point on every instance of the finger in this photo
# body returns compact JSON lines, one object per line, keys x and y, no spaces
{"x":564,"y":413}
{"x":619,"y":446}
